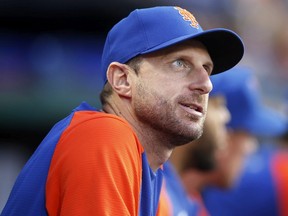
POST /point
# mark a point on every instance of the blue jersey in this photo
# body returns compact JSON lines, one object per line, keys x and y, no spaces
{"x":262,"y":189}
{"x":175,"y":199}
{"x":90,"y":163}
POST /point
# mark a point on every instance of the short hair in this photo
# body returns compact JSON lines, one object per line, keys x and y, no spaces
{"x":107,"y":90}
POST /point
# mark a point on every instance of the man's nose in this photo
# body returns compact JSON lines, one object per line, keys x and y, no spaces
{"x":201,"y":81}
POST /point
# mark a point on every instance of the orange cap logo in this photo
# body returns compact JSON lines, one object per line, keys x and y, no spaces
{"x":187,"y":16}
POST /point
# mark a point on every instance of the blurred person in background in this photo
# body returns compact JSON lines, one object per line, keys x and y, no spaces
{"x":218,"y":158}
{"x":261,"y":188}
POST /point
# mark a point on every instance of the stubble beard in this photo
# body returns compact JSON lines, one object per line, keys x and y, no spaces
{"x":156,"y":112}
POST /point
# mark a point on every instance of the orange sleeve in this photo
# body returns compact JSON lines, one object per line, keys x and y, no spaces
{"x":280,"y":175}
{"x":96,"y":169}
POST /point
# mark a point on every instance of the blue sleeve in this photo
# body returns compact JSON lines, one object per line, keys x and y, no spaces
{"x":28,"y":193}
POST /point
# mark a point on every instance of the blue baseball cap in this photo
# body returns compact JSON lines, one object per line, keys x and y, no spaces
{"x":147,"y":30}
{"x":240,"y":87}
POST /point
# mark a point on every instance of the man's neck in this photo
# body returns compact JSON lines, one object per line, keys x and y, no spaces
{"x":155,"y":145}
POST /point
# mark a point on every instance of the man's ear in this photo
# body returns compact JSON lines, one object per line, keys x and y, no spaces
{"x":117,"y":76}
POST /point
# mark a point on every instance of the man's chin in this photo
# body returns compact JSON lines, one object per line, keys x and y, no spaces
{"x":184,"y":140}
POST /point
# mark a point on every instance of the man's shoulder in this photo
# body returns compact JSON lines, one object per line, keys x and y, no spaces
{"x":98,"y":119}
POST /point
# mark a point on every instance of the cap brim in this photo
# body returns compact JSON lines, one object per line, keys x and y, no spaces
{"x":225,"y":47}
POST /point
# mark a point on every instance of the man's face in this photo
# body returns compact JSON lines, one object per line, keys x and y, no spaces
{"x":230,"y":163}
{"x":217,"y":118}
{"x":171,"y":91}
{"x":203,"y":154}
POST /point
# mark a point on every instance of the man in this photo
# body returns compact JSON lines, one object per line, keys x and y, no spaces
{"x":217,"y":158}
{"x":261,"y":188}
{"x":155,"y":65}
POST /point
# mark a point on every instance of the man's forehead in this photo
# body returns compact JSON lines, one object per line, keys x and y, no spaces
{"x":184,"y":45}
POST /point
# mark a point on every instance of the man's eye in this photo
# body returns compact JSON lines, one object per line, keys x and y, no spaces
{"x":208,"y":69}
{"x":179,"y":63}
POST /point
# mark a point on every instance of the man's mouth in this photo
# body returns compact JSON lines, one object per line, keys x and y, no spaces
{"x":193,"y":109}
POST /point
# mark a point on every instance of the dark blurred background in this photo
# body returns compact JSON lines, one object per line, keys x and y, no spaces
{"x":50,"y":55}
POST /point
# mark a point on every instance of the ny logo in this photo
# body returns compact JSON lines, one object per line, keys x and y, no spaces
{"x":187,"y":16}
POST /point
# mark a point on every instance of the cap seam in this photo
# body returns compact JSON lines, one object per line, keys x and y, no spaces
{"x":143,"y":31}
